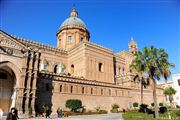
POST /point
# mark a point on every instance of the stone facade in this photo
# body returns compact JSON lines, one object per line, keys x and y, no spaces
{"x":34,"y":74}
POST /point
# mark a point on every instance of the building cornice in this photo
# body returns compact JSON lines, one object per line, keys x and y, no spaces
{"x":30,"y":43}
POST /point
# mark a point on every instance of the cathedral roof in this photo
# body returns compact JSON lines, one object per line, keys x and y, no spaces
{"x":73,"y":21}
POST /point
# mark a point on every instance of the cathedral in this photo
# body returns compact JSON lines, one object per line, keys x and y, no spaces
{"x":33,"y":74}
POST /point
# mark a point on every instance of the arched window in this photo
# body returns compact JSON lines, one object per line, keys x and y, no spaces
{"x":82,"y":90}
{"x":55,"y":69}
{"x":69,"y":39}
{"x":100,"y":67}
{"x":43,"y":65}
{"x":60,"y":88}
{"x":71,"y":90}
{"x":59,"y":68}
{"x":91,"y":91}
{"x":72,"y":69}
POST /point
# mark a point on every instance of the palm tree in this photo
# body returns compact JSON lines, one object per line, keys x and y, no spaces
{"x":170,"y":92}
{"x":155,"y":65}
{"x":138,"y":66}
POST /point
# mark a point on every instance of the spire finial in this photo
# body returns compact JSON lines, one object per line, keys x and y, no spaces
{"x":74,"y":13}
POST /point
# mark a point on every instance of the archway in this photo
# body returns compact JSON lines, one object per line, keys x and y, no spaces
{"x":8,"y":86}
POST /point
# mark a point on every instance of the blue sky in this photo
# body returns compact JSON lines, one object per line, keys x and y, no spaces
{"x":111,"y":23}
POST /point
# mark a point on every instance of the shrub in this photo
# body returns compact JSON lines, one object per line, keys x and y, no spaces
{"x":103,"y":111}
{"x":177,"y":113}
{"x":98,"y":108}
{"x":73,"y":104}
{"x":135,"y":104}
{"x":114,"y":111}
{"x":162,"y":109}
{"x":143,"y":108}
{"x":160,"y":104}
{"x":152,"y":104}
{"x":149,"y":111}
{"x":115,"y":106}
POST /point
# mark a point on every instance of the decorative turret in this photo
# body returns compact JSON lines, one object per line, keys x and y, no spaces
{"x":72,"y":31}
{"x":132,"y":46}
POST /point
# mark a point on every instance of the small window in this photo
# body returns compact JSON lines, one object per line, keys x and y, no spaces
{"x":100,"y":67}
{"x":60,"y":88}
{"x":47,"y":86}
{"x":91,"y":90}
{"x":116,"y":92}
{"x":71,"y":89}
{"x":179,"y":82}
{"x":82,"y":90}
{"x":69,"y":40}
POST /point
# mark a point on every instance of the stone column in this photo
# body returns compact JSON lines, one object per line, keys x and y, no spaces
{"x":28,"y":87}
{"x":13,"y":98}
{"x":32,"y":92}
{"x":20,"y":89}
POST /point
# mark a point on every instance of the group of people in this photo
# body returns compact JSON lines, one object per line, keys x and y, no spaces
{"x":59,"y":113}
{"x":13,"y":114}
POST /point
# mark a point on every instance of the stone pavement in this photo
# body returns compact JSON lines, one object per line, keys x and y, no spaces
{"x":113,"y":116}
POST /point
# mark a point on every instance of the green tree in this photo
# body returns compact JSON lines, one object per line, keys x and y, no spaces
{"x":138,"y":78}
{"x":73,"y":104}
{"x":138,"y":66}
{"x":170,"y":92}
{"x":135,"y":105}
{"x":155,"y":65}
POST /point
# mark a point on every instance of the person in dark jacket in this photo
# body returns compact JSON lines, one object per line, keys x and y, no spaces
{"x":12,"y":114}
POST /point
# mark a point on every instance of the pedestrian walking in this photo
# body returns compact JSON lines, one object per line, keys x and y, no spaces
{"x":12,"y":115}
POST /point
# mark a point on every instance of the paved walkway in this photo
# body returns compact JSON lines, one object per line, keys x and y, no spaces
{"x":113,"y":116}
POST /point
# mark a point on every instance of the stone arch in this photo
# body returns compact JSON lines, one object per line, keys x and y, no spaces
{"x":9,"y":85}
{"x":15,"y":69}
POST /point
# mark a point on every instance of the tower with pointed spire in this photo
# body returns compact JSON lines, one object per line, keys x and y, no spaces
{"x":72,"y":31}
{"x":132,"y":46}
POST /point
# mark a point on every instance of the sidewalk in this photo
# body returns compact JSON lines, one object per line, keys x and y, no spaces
{"x":113,"y":116}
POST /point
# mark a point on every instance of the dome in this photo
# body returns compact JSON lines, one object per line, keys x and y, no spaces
{"x":73,"y":21}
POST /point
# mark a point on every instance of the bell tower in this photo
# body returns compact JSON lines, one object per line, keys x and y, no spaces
{"x":132,"y":46}
{"x":72,"y":31}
